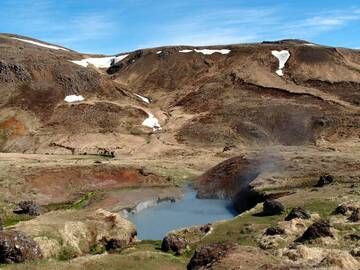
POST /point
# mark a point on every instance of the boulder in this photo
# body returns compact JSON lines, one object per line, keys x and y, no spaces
{"x":79,"y":231}
{"x":206,"y":256}
{"x":355,"y":215}
{"x":298,"y":212}
{"x":324,"y":180}
{"x":318,"y":229}
{"x":16,"y":247}
{"x":174,"y":243}
{"x":28,"y":208}
{"x":272,"y":207}
{"x":274,"y":231}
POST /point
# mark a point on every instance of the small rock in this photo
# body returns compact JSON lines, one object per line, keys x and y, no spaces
{"x":16,"y":247}
{"x":206,"y":228}
{"x":298,"y":212}
{"x":174,"y":243}
{"x":206,"y":256}
{"x":355,"y":215}
{"x":28,"y":208}
{"x":318,"y":229}
{"x":274,"y":231}
{"x":115,"y":244}
{"x":324,"y":180}
{"x":341,"y":210}
{"x":272,"y":207}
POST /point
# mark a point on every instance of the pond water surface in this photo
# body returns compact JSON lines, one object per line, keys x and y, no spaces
{"x":153,"y":223}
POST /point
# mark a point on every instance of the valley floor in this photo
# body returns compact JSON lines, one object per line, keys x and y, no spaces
{"x":86,"y":183}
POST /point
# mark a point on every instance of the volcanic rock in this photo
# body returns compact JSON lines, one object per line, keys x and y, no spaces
{"x":298,"y":212}
{"x":28,"y":208}
{"x":318,"y":229}
{"x":115,"y":244}
{"x":341,"y":209}
{"x":206,"y":256}
{"x":16,"y":247}
{"x":274,"y":231}
{"x":174,"y":243}
{"x":324,"y":180}
{"x":272,"y":207}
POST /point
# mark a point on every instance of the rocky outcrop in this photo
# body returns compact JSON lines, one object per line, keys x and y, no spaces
{"x":16,"y":247}
{"x":320,"y":258}
{"x":272,"y":207}
{"x":298,"y":212}
{"x":206,"y":256}
{"x":227,"y":179}
{"x":28,"y":208}
{"x":79,"y":231}
{"x":318,"y":229}
{"x":174,"y":243}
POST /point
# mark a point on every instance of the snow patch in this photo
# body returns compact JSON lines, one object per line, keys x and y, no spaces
{"x":158,"y":52}
{"x":209,"y":52}
{"x":152,"y":122}
{"x":41,"y":44}
{"x":283,"y":56}
{"x":185,"y":51}
{"x":74,"y":98}
{"x":145,"y":99}
{"x":310,"y":44}
{"x":100,"y":62}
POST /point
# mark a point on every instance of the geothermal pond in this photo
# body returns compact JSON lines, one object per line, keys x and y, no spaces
{"x":154,"y":222}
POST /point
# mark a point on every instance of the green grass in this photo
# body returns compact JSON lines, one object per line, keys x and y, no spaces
{"x":12,"y":220}
{"x":134,"y":260}
{"x":323,"y":207}
{"x":80,"y":203}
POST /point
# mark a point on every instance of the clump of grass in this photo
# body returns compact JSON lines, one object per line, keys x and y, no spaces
{"x":67,"y":253}
{"x":84,"y":200}
{"x":80,"y":203}
{"x":97,"y":249}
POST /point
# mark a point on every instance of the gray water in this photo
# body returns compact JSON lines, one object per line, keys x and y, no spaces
{"x":153,"y":223}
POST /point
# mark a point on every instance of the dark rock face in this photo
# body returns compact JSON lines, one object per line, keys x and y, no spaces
{"x":206,"y":256}
{"x":318,"y":229}
{"x":272,"y":207}
{"x":298,"y":212}
{"x":16,"y":247}
{"x":114,"y":244}
{"x":246,"y":199}
{"x":324,"y":180}
{"x":174,"y":243}
{"x":12,"y":72}
{"x":355,"y":216}
{"x":274,"y":231}
{"x":28,"y":207}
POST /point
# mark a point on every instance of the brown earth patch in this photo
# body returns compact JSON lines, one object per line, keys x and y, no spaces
{"x":66,"y":183}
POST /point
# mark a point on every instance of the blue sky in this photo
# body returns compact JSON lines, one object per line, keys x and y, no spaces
{"x":113,"y":26}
